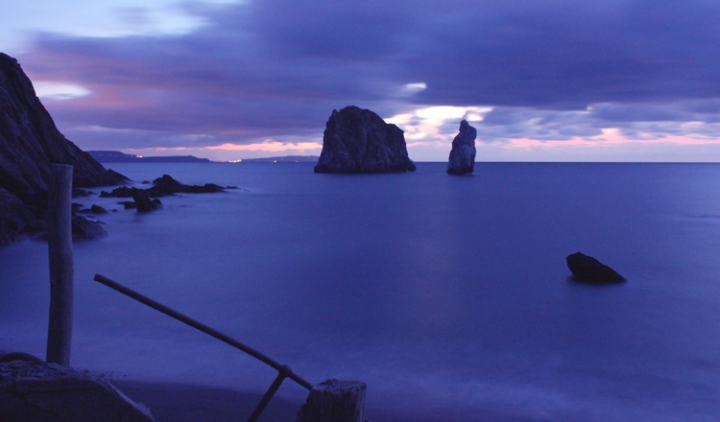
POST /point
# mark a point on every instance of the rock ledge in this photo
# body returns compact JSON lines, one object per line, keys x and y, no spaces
{"x":32,"y":390}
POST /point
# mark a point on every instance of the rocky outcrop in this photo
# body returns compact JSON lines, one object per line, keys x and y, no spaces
{"x":162,"y":186}
{"x":462,"y":154}
{"x":359,"y":141}
{"x":143,"y":203}
{"x":166,"y":185}
{"x":29,"y":143}
{"x":32,"y":390}
{"x":588,"y":269}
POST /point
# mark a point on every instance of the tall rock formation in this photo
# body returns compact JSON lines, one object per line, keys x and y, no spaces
{"x":462,"y":155}
{"x":359,"y":141}
{"x":29,"y":143}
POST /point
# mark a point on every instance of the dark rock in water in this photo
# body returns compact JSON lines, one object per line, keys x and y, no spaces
{"x":97,"y":209}
{"x":128,"y":205}
{"x":84,"y":229}
{"x":143,"y":201}
{"x":77,"y":192}
{"x":32,"y":390}
{"x":588,"y":269}
{"x":163,"y":186}
{"x":94,"y":209}
{"x":462,"y":155}
{"x":359,"y":141}
{"x":166,"y":186}
{"x":29,"y":143}
{"x":121,"y":192}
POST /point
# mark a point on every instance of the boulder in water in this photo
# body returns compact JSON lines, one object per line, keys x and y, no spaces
{"x":84,"y":229}
{"x":588,"y":269}
{"x":166,"y":186}
{"x":143,"y":203}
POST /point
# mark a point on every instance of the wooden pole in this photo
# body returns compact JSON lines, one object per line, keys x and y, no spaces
{"x":60,"y":250}
{"x":334,"y":401}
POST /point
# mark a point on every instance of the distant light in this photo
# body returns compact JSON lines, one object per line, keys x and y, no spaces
{"x":60,"y":90}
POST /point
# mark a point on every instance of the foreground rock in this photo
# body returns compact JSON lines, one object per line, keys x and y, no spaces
{"x":588,"y":269}
{"x":32,"y":390}
{"x":29,"y":143}
{"x":462,"y":155}
{"x":359,"y":141}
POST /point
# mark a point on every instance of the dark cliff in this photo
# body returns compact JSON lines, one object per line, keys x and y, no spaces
{"x":29,"y":143}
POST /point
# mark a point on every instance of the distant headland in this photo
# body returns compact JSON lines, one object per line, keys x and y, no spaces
{"x":120,"y":157}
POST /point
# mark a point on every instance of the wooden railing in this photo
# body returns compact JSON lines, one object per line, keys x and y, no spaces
{"x":284,"y":371}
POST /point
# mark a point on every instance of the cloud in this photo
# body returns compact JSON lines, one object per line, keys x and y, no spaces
{"x":549,"y":71}
{"x":59,"y":91}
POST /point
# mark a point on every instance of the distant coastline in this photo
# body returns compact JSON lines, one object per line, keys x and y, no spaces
{"x":285,"y":159}
{"x":120,"y":157}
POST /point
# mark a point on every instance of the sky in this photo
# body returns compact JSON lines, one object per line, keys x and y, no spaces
{"x":540,"y":80}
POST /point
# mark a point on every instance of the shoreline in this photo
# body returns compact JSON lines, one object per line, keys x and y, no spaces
{"x":179,"y":402}
{"x":175,"y":402}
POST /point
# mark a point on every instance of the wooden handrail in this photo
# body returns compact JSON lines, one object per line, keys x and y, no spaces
{"x":284,"y":371}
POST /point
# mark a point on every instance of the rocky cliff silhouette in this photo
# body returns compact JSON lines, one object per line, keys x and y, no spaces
{"x":29,"y":143}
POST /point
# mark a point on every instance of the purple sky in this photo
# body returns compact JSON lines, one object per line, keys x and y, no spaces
{"x":610,"y":80}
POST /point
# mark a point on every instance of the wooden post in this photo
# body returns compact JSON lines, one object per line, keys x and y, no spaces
{"x":335,"y":401}
{"x":60,"y":250}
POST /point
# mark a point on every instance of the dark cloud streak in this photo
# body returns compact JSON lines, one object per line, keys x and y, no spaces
{"x":277,"y":67}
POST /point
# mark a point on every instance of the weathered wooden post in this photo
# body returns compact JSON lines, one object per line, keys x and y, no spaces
{"x":335,"y":401}
{"x":60,"y":250}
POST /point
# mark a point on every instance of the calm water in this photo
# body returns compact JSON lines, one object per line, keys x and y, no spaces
{"x":448,"y":295}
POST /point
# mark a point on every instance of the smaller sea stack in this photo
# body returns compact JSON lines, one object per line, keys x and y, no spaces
{"x":462,"y":155}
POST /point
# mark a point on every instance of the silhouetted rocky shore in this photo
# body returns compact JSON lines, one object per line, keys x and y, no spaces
{"x":29,"y":143}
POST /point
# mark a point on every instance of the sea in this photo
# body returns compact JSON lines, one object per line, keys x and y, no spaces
{"x":448,"y":296}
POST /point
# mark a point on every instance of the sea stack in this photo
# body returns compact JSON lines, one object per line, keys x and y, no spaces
{"x":29,"y":143}
{"x":462,"y":155}
{"x":359,"y":141}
